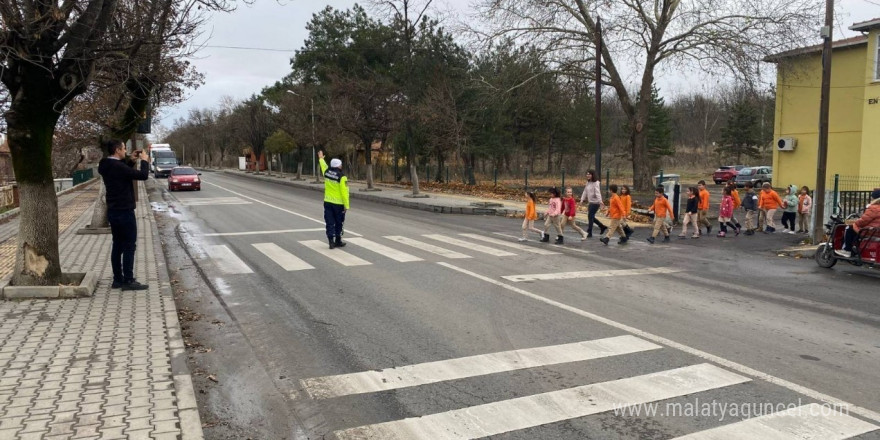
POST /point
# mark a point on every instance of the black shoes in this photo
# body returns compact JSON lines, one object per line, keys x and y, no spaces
{"x":336,"y":243}
{"x":545,"y":238}
{"x":604,"y":240}
{"x":559,"y":240}
{"x":666,"y":239}
{"x":129,"y":285}
{"x":650,"y":240}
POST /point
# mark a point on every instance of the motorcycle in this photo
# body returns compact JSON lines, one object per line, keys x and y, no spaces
{"x":866,"y":248}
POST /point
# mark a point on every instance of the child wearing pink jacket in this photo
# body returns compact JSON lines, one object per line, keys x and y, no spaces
{"x":551,"y":218}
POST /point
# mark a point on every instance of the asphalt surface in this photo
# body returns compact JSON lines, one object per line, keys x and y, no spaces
{"x":794,"y":332}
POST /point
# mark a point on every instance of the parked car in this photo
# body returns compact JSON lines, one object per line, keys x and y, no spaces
{"x":757,"y":175}
{"x":184,"y":178}
{"x":725,"y":173}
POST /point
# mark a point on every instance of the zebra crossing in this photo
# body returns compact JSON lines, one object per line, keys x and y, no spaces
{"x":810,"y":421}
{"x":310,"y":253}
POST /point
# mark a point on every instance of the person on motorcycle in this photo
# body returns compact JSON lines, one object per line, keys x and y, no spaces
{"x":870,"y":219}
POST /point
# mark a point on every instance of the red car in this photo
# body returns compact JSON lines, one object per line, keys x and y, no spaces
{"x":726,"y":173}
{"x":184,"y":178}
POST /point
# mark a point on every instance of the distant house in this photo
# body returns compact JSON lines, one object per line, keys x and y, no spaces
{"x":6,"y":172}
{"x":854,"y":123}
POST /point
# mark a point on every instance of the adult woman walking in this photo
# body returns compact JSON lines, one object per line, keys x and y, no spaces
{"x":593,"y":195}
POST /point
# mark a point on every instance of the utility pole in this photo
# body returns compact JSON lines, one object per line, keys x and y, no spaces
{"x":599,"y":99}
{"x":822,"y":162}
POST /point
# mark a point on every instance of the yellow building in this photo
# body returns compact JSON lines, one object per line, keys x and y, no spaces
{"x":854,"y":121}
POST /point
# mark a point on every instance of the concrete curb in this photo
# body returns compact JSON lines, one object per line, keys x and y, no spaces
{"x":187,"y":408}
{"x":799,"y":251}
{"x":13,"y":212}
{"x":86,"y":284}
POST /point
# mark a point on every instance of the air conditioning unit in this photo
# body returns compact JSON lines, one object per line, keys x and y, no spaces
{"x":786,"y":144}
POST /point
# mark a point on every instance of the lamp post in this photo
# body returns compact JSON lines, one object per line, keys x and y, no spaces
{"x":312,"y":111}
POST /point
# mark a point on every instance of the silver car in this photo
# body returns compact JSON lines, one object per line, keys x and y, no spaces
{"x":756,"y":175}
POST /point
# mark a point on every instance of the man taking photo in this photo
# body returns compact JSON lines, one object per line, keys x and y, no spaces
{"x":118,"y":173}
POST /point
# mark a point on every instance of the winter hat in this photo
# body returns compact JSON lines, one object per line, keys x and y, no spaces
{"x":875,"y":194}
{"x":335,"y":163}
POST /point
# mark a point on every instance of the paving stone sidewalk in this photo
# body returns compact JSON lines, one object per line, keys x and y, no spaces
{"x":110,"y":366}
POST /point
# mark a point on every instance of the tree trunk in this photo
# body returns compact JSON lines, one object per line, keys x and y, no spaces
{"x":411,"y":154}
{"x":31,"y":125}
{"x":642,"y":169}
{"x":368,"y":160}
{"x":99,"y":212}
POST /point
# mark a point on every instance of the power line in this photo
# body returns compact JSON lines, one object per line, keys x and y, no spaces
{"x":266,"y":49}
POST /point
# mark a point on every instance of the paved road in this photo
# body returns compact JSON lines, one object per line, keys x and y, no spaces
{"x":443,"y":326}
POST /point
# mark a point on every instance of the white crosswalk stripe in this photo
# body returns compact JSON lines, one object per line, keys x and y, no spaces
{"x":469,"y":245}
{"x":517,"y":246}
{"x":453,"y":369}
{"x":531,"y":411}
{"x":592,"y":274}
{"x":226,"y":260}
{"x":427,"y":247}
{"x":813,"y":421}
{"x":286,"y":260}
{"x":381,"y":249}
{"x":337,"y":255}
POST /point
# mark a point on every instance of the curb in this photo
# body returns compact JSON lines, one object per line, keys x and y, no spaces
{"x":187,"y":408}
{"x":13,"y":212}
{"x":83,"y":288}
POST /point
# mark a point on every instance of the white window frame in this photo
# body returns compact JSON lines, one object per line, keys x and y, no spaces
{"x":877,"y":60}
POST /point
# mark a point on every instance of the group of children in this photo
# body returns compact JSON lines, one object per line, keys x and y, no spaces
{"x":759,"y":207}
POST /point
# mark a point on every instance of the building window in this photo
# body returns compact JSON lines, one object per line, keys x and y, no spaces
{"x":877,"y":61}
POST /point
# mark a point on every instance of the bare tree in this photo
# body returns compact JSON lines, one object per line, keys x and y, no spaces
{"x":50,"y":52}
{"x":641,"y":36}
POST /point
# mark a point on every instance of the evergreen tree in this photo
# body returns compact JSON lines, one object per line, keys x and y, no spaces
{"x":659,"y":127}
{"x":742,"y":135}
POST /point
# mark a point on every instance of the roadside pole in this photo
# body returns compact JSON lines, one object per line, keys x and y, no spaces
{"x":822,"y":163}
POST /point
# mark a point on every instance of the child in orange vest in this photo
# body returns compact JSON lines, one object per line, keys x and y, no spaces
{"x":703,"y":208}
{"x":530,"y":217}
{"x":661,"y":209}
{"x":769,"y":201}
{"x":626,"y":198}
{"x":615,"y":212}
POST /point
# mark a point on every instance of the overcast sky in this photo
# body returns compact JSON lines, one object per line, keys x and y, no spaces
{"x":270,"y":24}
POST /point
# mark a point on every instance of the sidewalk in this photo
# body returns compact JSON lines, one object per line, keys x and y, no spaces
{"x":110,"y":366}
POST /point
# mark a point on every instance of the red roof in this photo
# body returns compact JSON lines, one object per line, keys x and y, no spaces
{"x":839,"y":44}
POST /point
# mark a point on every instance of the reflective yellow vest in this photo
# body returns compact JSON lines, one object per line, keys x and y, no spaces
{"x":335,"y":187}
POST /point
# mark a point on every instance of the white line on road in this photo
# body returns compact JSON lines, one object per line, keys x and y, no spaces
{"x":813,"y":421}
{"x":566,"y":249}
{"x":864,"y":412}
{"x":471,"y":366}
{"x":347,"y":231}
{"x":226,"y":260}
{"x":279,"y":231}
{"x":381,"y":249}
{"x":469,"y":245}
{"x":286,"y":260}
{"x":540,"y":409}
{"x":213,"y":201}
{"x":591,"y":274}
{"x":445,"y":253}
{"x":337,"y":255}
{"x":517,"y":246}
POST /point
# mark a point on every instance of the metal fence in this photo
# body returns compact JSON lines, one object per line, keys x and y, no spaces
{"x":852,"y":193}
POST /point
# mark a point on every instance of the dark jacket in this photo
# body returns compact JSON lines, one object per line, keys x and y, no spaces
{"x":750,"y":201}
{"x":118,"y":175}
{"x":692,"y":205}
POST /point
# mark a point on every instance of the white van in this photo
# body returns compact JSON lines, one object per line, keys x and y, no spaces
{"x":162,"y":160}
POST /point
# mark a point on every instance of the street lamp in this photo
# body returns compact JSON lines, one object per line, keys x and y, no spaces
{"x":312,"y":103}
